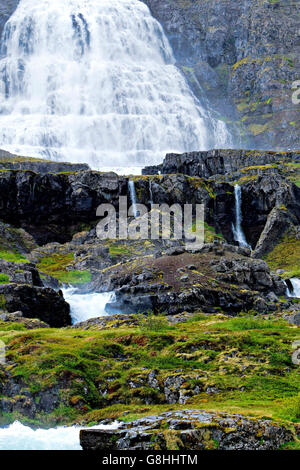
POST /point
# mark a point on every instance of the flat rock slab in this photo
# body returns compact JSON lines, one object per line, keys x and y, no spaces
{"x":190,"y":430}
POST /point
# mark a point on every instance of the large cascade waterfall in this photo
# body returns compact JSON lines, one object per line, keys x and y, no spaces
{"x":94,"y":81}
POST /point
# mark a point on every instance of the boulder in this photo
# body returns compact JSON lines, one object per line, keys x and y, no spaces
{"x":45,"y":304}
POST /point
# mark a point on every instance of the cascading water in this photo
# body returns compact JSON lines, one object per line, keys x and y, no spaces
{"x":20,"y":437}
{"x":237,"y":229}
{"x":295,"y":282}
{"x":86,"y":306}
{"x":133,"y":197}
{"x":94,"y":81}
{"x":150,"y":192}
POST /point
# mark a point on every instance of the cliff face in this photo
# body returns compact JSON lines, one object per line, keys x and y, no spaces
{"x":245,"y":57}
{"x":7,"y":7}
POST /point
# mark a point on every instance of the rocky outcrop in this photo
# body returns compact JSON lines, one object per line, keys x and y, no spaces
{"x":28,"y":323}
{"x":13,"y":162}
{"x":278,"y":223}
{"x":243,"y":56}
{"x":45,"y":304}
{"x":189,"y":430}
{"x":218,"y":162}
{"x":21,"y":273}
{"x":220,"y":276}
{"x":262,"y":195}
{"x":51,"y":206}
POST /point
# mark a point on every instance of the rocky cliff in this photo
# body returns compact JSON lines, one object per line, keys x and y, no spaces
{"x":243,"y":56}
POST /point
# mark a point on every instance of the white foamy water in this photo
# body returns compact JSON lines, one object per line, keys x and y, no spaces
{"x":133,"y":197}
{"x":296,"y":288}
{"x":94,"y":81}
{"x":86,"y":306}
{"x":238,"y":232}
{"x":20,"y":437}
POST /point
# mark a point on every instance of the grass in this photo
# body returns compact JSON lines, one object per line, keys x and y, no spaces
{"x":247,"y":360}
{"x":4,"y":278}
{"x":60,"y":266}
{"x":12,"y":256}
{"x":286,"y":256}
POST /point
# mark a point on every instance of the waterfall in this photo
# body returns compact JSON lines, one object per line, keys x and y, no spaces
{"x":86,"y":306}
{"x":237,"y":229}
{"x":133,"y":197}
{"x":20,"y":437}
{"x":150,"y":193}
{"x":94,"y":81}
{"x":296,"y":288}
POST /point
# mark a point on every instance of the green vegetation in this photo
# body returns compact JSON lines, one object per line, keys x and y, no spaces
{"x":59,"y":266}
{"x":4,"y":278}
{"x":13,"y":256}
{"x":286,"y":255}
{"x":246,"y":360}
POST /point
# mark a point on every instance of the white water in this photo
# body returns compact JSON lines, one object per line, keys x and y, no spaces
{"x":94,"y":81}
{"x":296,"y":288}
{"x":20,"y":437}
{"x":86,"y":306}
{"x":237,"y":229}
{"x":133,"y":197}
{"x":150,"y":192}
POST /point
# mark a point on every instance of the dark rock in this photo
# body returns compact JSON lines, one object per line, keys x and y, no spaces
{"x":191,"y":430}
{"x":36,"y":302}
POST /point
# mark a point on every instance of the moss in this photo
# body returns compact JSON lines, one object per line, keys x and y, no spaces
{"x":12,"y":256}
{"x":257,"y":129}
{"x":286,"y":255}
{"x":60,"y":266}
{"x":2,"y":302}
{"x":248,"y":360}
{"x":4,"y":278}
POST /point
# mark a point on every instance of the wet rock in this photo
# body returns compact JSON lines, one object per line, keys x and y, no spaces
{"x":190,"y":430}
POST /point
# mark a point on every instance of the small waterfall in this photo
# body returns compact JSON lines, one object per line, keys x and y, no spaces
{"x":295,"y":293}
{"x":20,"y":437}
{"x":133,"y":197}
{"x":86,"y":306}
{"x":237,"y":229}
{"x":150,"y":192}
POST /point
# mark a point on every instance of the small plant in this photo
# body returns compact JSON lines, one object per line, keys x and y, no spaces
{"x":151,"y":322}
{"x":4,"y":278}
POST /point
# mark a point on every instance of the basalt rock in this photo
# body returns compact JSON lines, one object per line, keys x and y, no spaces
{"x":13,"y":162}
{"x":221,"y":278}
{"x":36,"y":302}
{"x":21,"y":273}
{"x":206,"y":164}
{"x":189,"y":430}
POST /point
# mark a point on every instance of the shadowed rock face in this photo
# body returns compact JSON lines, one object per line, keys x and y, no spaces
{"x":36,"y":302}
{"x":244,"y":56}
{"x":189,"y":430}
{"x":7,"y":7}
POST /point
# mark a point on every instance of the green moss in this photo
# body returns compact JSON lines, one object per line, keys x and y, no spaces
{"x":13,"y":256}
{"x":60,"y":266}
{"x":4,"y":278}
{"x":248,"y":360}
{"x":286,"y":256}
